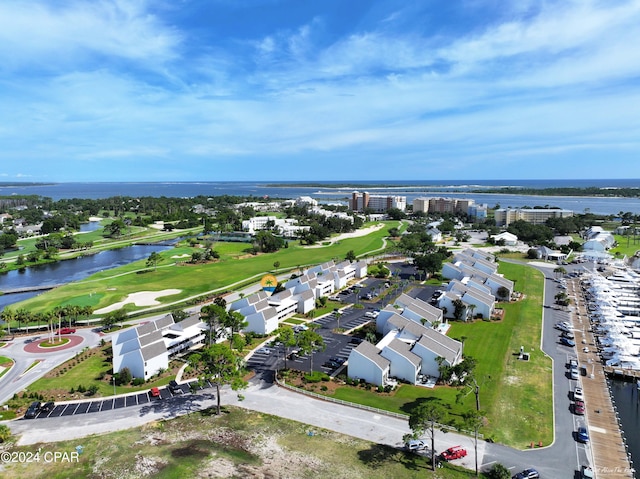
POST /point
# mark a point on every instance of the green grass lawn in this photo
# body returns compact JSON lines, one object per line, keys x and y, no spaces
{"x":85,"y":370}
{"x":108,"y":287}
{"x":509,"y":387}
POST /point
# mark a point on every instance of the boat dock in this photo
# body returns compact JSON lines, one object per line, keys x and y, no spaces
{"x":608,"y":444}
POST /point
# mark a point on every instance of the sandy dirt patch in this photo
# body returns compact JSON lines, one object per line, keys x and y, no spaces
{"x":354,"y":234}
{"x":178,"y":256}
{"x":95,"y":218}
{"x":141,"y":298}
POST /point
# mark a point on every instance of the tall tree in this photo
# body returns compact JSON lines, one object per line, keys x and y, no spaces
{"x":234,"y":320}
{"x":309,"y":341}
{"x":219,"y":364}
{"x":214,"y":315}
{"x":288,"y":339}
{"x":153,"y":260}
{"x":423,"y":419}
{"x":474,"y":420}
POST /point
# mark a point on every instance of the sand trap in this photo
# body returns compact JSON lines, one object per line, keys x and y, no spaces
{"x":186,"y":255}
{"x":141,"y":298}
{"x":354,"y":234}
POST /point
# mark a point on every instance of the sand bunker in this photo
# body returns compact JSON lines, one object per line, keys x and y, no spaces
{"x":141,"y":298}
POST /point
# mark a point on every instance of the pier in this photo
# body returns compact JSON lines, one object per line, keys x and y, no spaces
{"x":607,"y":441}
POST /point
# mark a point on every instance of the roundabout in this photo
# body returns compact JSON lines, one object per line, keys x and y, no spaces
{"x":44,"y":346}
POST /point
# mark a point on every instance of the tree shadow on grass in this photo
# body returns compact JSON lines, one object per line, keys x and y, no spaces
{"x":379,"y":455}
{"x":410,"y":406}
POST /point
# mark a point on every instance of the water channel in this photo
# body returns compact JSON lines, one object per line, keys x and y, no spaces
{"x":69,"y":270}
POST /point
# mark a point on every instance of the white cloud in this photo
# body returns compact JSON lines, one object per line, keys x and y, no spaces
{"x":45,"y":35}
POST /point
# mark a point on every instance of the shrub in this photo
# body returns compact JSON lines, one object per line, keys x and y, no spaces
{"x":138,"y":381}
{"x":92,"y":389}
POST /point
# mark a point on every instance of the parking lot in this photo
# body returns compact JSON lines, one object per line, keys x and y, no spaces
{"x":369,"y":295}
{"x":117,"y":402}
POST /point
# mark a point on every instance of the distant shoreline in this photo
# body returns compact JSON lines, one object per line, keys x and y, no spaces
{"x":593,"y":191}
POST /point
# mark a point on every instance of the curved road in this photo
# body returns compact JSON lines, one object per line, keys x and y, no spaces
{"x":561,"y":459}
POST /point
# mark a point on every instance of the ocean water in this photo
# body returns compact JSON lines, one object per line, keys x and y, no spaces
{"x":338,"y":193}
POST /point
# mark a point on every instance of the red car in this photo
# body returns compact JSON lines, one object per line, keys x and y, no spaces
{"x":455,"y":452}
{"x":67,"y":330}
{"x":155,"y":392}
{"x":578,"y":408}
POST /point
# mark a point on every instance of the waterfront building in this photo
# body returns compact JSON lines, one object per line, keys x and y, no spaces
{"x":450,"y":205}
{"x":377,"y":203}
{"x":506,"y":216}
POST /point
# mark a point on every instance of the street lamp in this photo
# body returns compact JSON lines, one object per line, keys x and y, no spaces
{"x":114,"y":384}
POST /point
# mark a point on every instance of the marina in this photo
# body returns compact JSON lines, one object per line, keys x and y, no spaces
{"x":606,"y":325}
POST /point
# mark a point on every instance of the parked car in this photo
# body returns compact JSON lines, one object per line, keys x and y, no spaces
{"x":582,"y":435}
{"x":578,"y":408}
{"x":155,"y":393}
{"x":331,"y":364}
{"x":568,"y":335}
{"x":67,"y":330}
{"x":48,"y":406}
{"x":33,"y":410}
{"x":586,"y":473}
{"x":527,"y":474}
{"x":574,"y":373}
{"x":578,"y":394}
{"x":338,"y":360}
{"x":455,"y":452}
{"x":174,"y":387}
{"x":300,"y":327}
{"x":567,"y":342}
{"x":415,"y":445}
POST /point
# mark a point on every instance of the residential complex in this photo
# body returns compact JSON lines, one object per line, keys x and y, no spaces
{"x":450,"y":205}
{"x":506,"y":216}
{"x":410,"y":346}
{"x":377,"y":203}
{"x":263,"y":313}
{"x":147,"y":349}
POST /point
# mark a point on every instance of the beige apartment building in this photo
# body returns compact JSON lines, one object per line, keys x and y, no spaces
{"x":506,"y":216}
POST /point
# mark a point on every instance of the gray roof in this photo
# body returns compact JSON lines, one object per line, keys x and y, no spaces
{"x":404,"y":349}
{"x":306,"y":294}
{"x":152,"y":337}
{"x":153,"y":350}
{"x":415,"y":329}
{"x":164,"y":322}
{"x":188,"y":322}
{"x":440,"y":349}
{"x":372,"y":353}
{"x":480,"y":296}
{"x":146,"y":328}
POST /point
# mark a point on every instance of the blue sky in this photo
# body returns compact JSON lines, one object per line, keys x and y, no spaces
{"x":169,"y":90}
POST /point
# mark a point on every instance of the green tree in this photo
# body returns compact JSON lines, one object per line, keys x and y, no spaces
{"x":115,"y":228}
{"x":113,"y":317}
{"x":499,"y":471}
{"x":309,"y":342}
{"x":474,"y":420}
{"x":214,"y":316}
{"x":219,"y":364}
{"x":153,"y":260}
{"x":288,"y":339}
{"x":350,"y":256}
{"x":423,"y":419}
{"x":234,"y":320}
